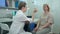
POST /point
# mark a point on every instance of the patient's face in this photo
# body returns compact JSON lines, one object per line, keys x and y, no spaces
{"x":46,"y":8}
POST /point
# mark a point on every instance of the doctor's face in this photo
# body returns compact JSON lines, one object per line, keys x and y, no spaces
{"x":25,"y":9}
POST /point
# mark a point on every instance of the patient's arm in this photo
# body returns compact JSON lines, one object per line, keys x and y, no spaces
{"x":49,"y":22}
{"x":38,"y":25}
{"x":46,"y":25}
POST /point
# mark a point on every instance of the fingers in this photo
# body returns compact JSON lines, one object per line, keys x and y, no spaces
{"x":35,"y":10}
{"x":35,"y":29}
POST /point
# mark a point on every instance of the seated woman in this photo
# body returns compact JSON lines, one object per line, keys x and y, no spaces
{"x":45,"y":21}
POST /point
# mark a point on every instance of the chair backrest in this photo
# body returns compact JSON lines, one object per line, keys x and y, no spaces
{"x":4,"y":26}
{"x":52,"y":27}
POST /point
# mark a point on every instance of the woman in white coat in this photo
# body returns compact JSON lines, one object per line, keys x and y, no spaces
{"x":19,"y":20}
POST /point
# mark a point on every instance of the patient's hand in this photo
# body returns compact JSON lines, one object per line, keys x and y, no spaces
{"x":36,"y":29}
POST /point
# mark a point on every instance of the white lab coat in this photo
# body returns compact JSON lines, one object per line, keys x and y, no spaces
{"x":18,"y":23}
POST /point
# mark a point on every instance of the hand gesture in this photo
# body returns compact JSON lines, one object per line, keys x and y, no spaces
{"x":35,"y":10}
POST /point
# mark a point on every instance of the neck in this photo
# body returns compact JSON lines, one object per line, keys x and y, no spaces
{"x":22,"y":11}
{"x":46,"y":12}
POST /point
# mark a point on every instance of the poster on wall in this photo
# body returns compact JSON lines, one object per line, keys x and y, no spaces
{"x":16,"y":4}
{"x":2,"y":3}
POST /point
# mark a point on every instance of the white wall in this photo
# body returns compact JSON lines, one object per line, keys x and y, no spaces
{"x":56,"y":11}
{"x":54,"y":7}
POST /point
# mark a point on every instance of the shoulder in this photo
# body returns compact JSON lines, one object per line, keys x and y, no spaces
{"x":50,"y":15}
{"x":41,"y":14}
{"x":19,"y":12}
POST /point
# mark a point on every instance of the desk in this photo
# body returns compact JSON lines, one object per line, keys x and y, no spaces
{"x":6,"y":21}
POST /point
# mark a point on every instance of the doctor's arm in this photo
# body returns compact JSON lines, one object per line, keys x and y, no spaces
{"x":33,"y":14}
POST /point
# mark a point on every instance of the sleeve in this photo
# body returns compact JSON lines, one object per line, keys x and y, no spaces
{"x":41,"y":17}
{"x":50,"y":19}
{"x":21,"y":17}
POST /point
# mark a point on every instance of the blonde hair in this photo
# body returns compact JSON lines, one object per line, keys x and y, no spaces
{"x":47,"y":7}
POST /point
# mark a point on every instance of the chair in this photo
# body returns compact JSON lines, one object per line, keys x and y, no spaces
{"x":4,"y":27}
{"x":26,"y":33}
{"x":51,"y":29}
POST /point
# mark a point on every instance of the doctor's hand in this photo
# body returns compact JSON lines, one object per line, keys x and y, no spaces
{"x":35,"y":10}
{"x":27,"y":22}
{"x":33,"y":14}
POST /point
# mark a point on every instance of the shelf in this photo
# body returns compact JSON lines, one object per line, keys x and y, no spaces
{"x":8,"y":8}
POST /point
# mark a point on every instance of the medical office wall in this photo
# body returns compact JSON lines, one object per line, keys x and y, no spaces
{"x":54,"y":8}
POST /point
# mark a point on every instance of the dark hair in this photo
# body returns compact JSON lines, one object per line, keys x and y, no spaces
{"x":21,"y":4}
